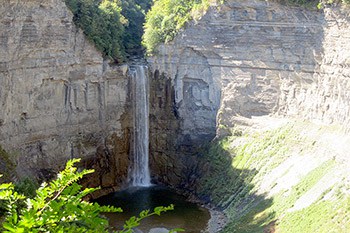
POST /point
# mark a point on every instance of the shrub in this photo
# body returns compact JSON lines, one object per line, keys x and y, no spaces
{"x":166,"y":18}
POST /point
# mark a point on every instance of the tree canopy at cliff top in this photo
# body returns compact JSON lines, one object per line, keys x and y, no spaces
{"x":115,"y":26}
{"x":167,"y":17}
{"x":118,"y":27}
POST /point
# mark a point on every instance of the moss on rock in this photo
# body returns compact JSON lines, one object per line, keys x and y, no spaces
{"x":7,"y":166}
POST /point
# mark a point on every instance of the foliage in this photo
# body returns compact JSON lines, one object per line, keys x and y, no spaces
{"x":115,"y":26}
{"x":102,"y":22}
{"x":59,"y":206}
{"x":323,"y":216}
{"x":7,"y":166}
{"x":313,"y":4}
{"x":323,"y":3}
{"x":27,"y":187}
{"x":3,"y":152}
{"x":135,"y":221}
{"x":234,"y":169}
{"x":134,"y":11}
{"x":307,"y":3}
{"x":167,"y":17}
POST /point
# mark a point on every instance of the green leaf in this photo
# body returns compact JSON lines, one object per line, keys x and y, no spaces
{"x":176,"y":230}
{"x":144,"y":213}
{"x":8,"y":226}
{"x":6,"y":185}
{"x":58,"y":206}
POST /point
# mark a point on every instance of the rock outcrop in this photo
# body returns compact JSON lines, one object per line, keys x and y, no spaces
{"x":254,"y":58}
{"x":58,"y":98}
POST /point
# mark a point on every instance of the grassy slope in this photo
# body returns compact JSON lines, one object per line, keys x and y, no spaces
{"x":278,"y":180}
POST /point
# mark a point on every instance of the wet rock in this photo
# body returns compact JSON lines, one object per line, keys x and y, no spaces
{"x":159,"y":230}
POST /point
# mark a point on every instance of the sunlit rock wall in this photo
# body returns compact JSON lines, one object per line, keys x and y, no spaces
{"x":255,"y":58}
{"x":58,"y":98}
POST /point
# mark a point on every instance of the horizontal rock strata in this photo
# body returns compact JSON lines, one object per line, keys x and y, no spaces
{"x":59,"y":99}
{"x":255,"y":58}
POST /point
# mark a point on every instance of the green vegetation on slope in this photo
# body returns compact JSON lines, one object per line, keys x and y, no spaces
{"x":102,"y":23}
{"x":265,"y":181}
{"x":115,"y":26}
{"x":231,"y":182}
{"x":323,"y":216}
{"x":167,"y":17}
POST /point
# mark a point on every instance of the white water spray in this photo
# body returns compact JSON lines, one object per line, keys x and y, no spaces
{"x":139,"y":174}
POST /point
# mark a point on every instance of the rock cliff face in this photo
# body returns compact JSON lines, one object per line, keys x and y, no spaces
{"x":255,"y":58}
{"x":58,"y":98}
{"x":173,"y":157}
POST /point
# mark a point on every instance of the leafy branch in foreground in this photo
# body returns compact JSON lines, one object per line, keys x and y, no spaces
{"x":59,"y":206}
{"x":135,"y":221}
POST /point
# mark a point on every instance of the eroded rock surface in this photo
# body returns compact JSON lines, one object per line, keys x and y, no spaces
{"x":254,"y":58}
{"x":58,"y":98}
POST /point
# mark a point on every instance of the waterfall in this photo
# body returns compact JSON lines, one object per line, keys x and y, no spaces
{"x":139,"y":174}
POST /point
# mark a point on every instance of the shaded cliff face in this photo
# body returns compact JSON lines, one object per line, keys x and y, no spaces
{"x":173,"y":158}
{"x":58,"y":98}
{"x":256,"y":58}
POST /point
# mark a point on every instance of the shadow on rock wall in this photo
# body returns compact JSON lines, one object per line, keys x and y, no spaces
{"x":248,"y":58}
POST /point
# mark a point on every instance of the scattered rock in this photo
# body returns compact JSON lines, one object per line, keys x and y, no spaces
{"x":159,"y":230}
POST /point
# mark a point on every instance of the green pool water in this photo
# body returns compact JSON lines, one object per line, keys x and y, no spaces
{"x":189,"y":216}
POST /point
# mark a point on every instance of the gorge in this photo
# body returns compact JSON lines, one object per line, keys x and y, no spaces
{"x":248,"y":109}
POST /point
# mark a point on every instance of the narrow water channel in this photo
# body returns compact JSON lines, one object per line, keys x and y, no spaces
{"x":186,"y":215}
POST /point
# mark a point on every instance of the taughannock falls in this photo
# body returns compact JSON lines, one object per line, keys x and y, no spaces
{"x":139,"y":172}
{"x":246,"y":112}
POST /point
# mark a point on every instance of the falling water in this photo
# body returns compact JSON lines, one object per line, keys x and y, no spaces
{"x":139,"y":171}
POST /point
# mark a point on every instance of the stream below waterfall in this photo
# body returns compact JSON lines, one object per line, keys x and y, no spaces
{"x":188,"y":216}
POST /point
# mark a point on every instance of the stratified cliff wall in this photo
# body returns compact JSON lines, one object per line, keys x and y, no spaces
{"x":58,"y":98}
{"x":255,"y":58}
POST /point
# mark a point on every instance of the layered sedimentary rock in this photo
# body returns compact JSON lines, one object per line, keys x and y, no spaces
{"x":255,"y":58}
{"x":58,"y":98}
{"x":173,"y":159}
